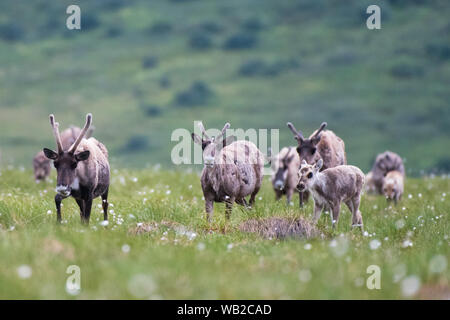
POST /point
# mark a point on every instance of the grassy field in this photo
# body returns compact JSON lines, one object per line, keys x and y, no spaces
{"x":184,"y":257}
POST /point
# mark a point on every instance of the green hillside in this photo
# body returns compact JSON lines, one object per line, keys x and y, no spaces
{"x":144,"y":68}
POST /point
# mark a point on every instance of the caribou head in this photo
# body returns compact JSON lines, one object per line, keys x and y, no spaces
{"x":212,"y":146}
{"x":307,"y":148}
{"x":281,"y":170}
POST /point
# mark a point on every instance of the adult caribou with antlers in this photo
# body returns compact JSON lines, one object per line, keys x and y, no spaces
{"x":322,"y":144}
{"x":82,"y":171}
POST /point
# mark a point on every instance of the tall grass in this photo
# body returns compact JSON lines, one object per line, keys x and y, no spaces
{"x":183,"y":257}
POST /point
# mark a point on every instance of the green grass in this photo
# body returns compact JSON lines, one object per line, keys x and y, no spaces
{"x":220,"y":261}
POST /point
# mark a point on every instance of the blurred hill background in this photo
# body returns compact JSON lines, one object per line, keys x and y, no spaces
{"x":144,"y":68}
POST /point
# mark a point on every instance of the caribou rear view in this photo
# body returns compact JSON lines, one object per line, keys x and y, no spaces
{"x":82,"y":171}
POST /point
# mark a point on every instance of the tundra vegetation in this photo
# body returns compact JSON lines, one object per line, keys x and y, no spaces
{"x":159,"y":245}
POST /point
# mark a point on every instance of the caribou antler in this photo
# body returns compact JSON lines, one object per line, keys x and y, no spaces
{"x":322,"y":126}
{"x":74,"y":147}
{"x":227,"y":125}
{"x":55,"y":127}
{"x":202,"y":129}
{"x":297,"y":134}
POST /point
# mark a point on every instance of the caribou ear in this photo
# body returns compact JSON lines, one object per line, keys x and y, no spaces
{"x":318,"y":165}
{"x":52,"y":155}
{"x":84,"y":155}
{"x":196,"y":138}
{"x":228,"y":140}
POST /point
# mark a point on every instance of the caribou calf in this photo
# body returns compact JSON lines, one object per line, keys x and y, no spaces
{"x":393,"y":186}
{"x":82,"y":171}
{"x":332,"y":186}
{"x":232,"y":171}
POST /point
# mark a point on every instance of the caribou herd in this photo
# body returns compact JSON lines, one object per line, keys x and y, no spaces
{"x":233,"y":169}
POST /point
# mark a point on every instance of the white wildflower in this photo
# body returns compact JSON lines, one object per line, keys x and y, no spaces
{"x":24,"y":271}
{"x":374,"y":244}
{"x":438,"y":264}
{"x":104,"y":223}
{"x":410,"y":286}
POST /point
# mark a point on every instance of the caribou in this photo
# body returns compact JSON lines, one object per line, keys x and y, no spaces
{"x":41,"y":167}
{"x":322,"y":144}
{"x":332,"y":186}
{"x":385,"y":162}
{"x":284,"y":174}
{"x":393,"y":185}
{"x":82,"y":171}
{"x":232,"y":170}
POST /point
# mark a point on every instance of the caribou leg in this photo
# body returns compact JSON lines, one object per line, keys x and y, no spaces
{"x":87,"y":211}
{"x":105,"y":204}
{"x":209,"y":207}
{"x":80,"y":203}
{"x":58,"y":199}
{"x":229,"y":207}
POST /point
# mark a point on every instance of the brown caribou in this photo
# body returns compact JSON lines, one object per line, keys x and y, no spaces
{"x":82,"y":171}
{"x":384,"y":163}
{"x":332,"y":186}
{"x":322,"y":144}
{"x":41,"y":167}
{"x":232,"y":171}
{"x":284,"y":173}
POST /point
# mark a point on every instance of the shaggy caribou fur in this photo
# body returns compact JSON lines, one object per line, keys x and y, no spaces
{"x":322,"y":144}
{"x":82,"y":171}
{"x":42,"y":165}
{"x":232,"y":171}
{"x":284,"y":177}
{"x":332,"y":186}
{"x":385,"y":162}
{"x":393,"y":185}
